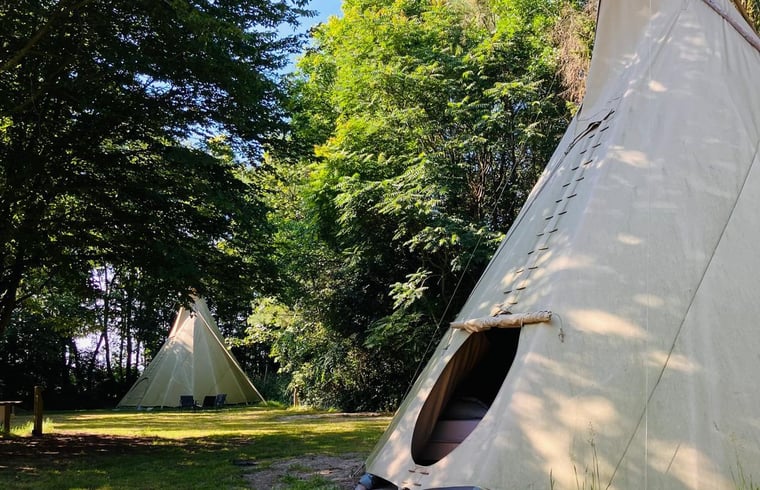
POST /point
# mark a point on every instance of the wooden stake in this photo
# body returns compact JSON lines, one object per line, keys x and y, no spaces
{"x":37,"y":431}
{"x":6,"y":418}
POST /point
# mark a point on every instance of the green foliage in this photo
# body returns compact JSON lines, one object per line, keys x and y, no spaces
{"x":96,"y":99}
{"x":573,"y":38}
{"x":130,"y":139}
{"x":31,"y":354}
{"x":425,"y":129}
{"x":273,"y":386}
{"x":751,"y":10}
{"x":325,"y":368}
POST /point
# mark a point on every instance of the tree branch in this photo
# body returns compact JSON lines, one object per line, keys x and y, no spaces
{"x":37,"y":37}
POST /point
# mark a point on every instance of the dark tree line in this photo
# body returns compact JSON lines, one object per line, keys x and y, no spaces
{"x":130,"y":135}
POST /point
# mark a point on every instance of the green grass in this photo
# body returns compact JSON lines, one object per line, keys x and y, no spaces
{"x":314,"y":483}
{"x":27,"y":425}
{"x":173,"y":449}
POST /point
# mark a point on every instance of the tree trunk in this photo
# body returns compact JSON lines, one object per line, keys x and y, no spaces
{"x":9,"y":290}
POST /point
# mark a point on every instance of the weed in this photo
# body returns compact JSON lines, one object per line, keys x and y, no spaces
{"x":591,"y":475}
{"x":26,"y":428}
{"x":742,"y":481}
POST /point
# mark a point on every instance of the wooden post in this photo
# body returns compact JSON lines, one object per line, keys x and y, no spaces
{"x":37,"y":431}
{"x":6,"y":419}
{"x":6,"y":407}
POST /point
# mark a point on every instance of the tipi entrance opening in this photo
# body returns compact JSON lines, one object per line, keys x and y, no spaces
{"x":463,"y":393}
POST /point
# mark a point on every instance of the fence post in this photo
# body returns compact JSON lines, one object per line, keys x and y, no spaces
{"x":6,"y":418}
{"x":37,"y":431}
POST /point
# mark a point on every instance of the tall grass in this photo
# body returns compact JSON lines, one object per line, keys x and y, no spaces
{"x":26,"y":426}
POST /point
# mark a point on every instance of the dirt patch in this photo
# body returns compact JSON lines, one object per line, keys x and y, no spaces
{"x":343,"y":471}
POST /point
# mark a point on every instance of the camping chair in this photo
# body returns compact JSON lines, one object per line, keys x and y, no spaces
{"x":221,"y":398}
{"x":187,"y":401}
{"x":211,"y":401}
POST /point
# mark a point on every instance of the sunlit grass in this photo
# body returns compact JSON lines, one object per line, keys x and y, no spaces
{"x":252,"y":421}
{"x":23,"y":427}
{"x":186,"y":449}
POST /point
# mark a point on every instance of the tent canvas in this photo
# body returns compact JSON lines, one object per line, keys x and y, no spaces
{"x":641,"y":238}
{"x":192,"y":361}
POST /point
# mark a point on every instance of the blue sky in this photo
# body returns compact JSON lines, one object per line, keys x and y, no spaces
{"x":324,"y":9}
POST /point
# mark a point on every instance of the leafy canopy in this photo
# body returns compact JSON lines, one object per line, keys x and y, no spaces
{"x":103,"y":106}
{"x":424,"y":128}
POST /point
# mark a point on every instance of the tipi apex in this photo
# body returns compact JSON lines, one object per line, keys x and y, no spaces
{"x":192,"y":361}
{"x":639,"y":244}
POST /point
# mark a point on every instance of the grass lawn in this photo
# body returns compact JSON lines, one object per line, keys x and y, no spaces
{"x":217,"y":449}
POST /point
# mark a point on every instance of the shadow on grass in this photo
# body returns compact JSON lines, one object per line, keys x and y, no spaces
{"x":116,"y":462}
{"x":107,"y":461}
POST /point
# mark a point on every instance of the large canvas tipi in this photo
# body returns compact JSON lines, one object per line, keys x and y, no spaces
{"x":630,"y":280}
{"x":193,"y":361}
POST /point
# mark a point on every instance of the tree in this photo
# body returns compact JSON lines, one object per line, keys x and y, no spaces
{"x":573,"y":38}
{"x":751,"y":10}
{"x":431,"y":122}
{"x":102,"y":106}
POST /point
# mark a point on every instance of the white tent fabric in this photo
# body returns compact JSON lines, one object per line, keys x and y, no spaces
{"x":642,"y":239}
{"x":192,"y":361}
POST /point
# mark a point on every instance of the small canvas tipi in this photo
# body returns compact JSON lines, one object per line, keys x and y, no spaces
{"x":629,"y":277}
{"x":192,"y":361}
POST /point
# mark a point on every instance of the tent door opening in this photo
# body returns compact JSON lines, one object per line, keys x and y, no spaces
{"x":463,"y":393}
